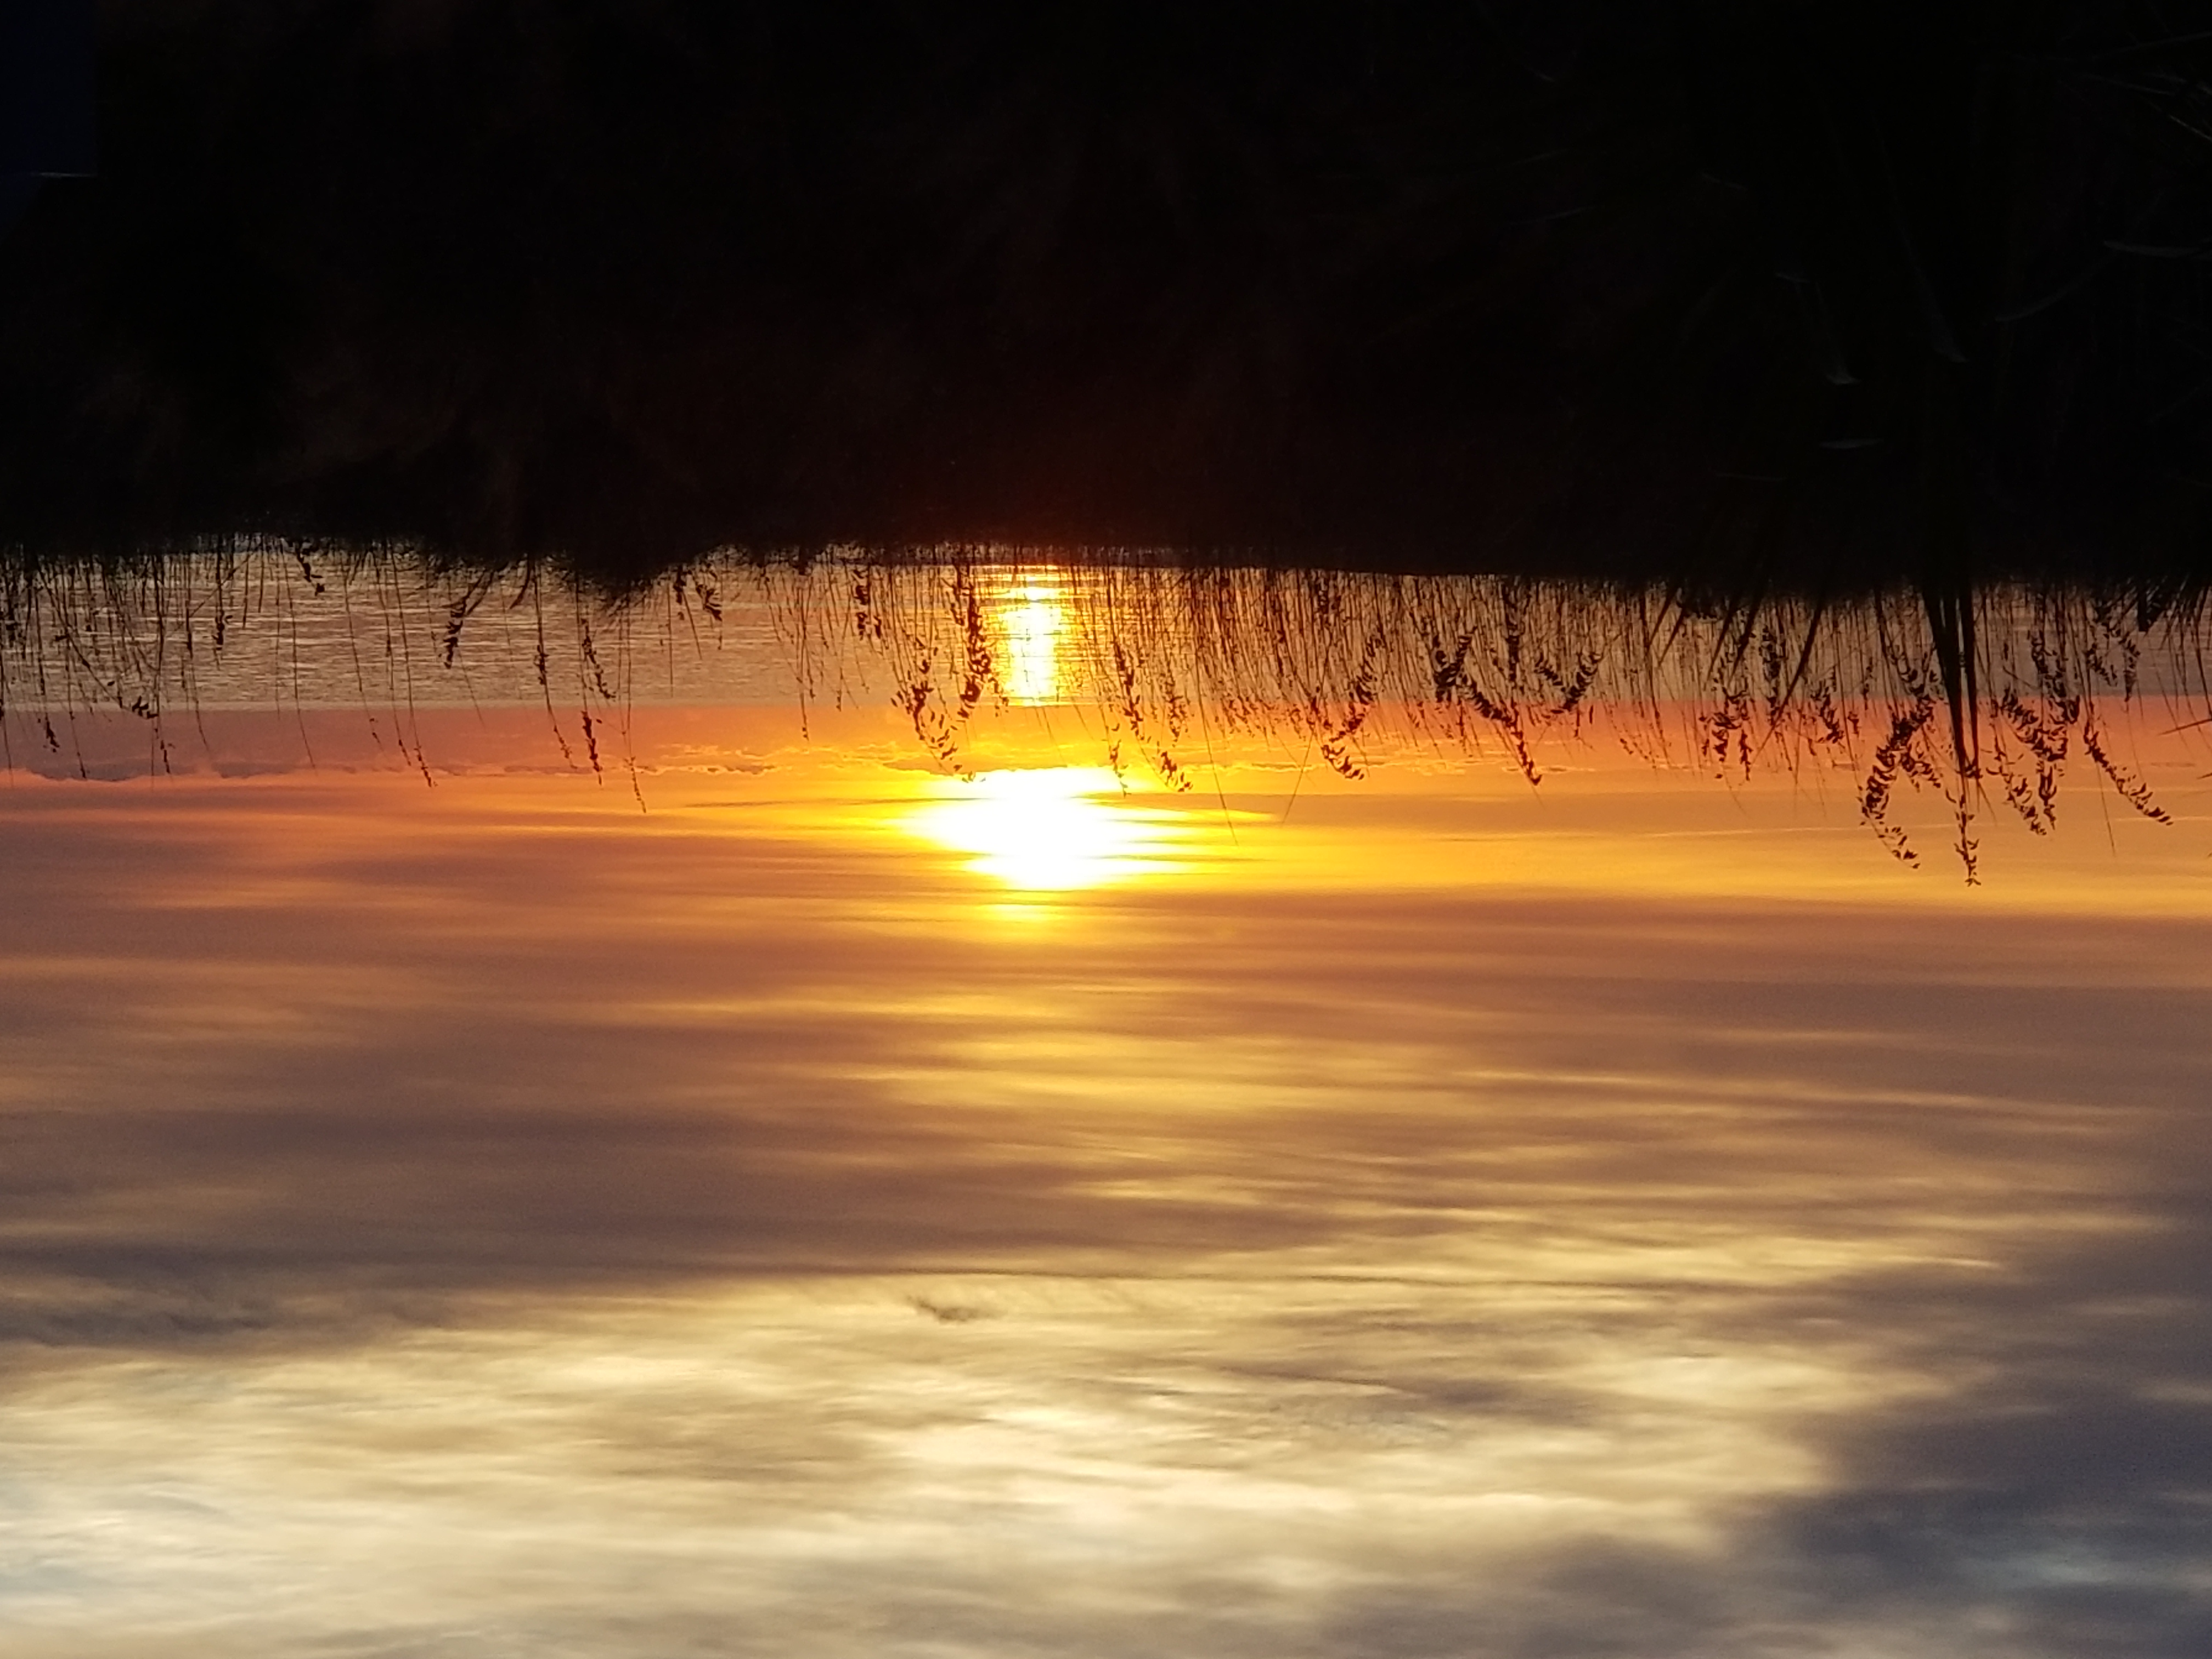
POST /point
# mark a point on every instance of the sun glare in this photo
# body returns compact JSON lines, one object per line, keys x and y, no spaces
{"x":1028,"y":620}
{"x":1049,"y":830}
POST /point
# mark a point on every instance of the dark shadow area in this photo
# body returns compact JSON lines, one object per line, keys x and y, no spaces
{"x":46,"y":99}
{"x":1819,"y":293}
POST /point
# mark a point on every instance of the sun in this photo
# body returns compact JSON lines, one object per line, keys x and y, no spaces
{"x":1050,"y":828}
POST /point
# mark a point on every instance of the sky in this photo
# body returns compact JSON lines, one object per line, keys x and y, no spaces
{"x":792,"y":1197}
{"x":1010,"y":1111}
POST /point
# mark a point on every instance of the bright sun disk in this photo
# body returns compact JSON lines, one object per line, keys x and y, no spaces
{"x":1049,"y":829}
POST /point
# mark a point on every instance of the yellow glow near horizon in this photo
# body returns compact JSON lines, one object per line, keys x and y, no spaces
{"x":1030,"y":618}
{"x":1049,"y":830}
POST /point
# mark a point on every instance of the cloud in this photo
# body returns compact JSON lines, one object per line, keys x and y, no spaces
{"x":480,"y":1215}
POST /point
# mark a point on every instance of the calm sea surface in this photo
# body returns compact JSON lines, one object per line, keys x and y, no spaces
{"x":996,"y":1110}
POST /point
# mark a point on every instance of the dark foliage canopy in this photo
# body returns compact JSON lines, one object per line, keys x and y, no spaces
{"x":1802,"y":286}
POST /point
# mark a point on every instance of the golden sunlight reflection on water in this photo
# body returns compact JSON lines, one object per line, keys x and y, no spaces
{"x":1027,"y":620}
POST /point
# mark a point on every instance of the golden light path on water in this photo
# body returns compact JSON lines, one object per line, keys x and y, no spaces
{"x":1413,"y":1217}
{"x":1029,"y":618}
{"x":1052,"y":828}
